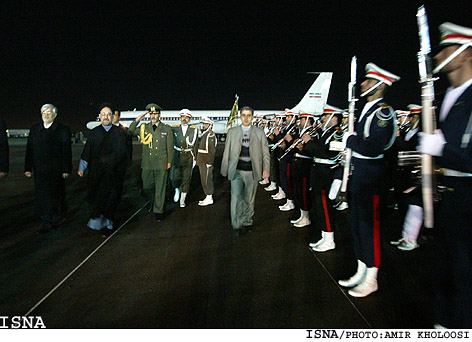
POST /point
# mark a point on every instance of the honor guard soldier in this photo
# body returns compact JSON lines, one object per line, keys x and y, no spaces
{"x":300,"y":176}
{"x":271,"y":140}
{"x":406,"y":141}
{"x":324,"y":160}
{"x":452,"y":143}
{"x":206,"y":160}
{"x":290,"y":135}
{"x":274,"y":138}
{"x":410,"y":193}
{"x":157,"y":157}
{"x":375,"y":132}
{"x":185,"y":137}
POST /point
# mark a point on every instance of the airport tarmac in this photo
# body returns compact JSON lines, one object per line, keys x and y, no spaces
{"x":189,"y":271}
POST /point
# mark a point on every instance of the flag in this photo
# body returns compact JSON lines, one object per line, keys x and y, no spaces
{"x":234,"y":114}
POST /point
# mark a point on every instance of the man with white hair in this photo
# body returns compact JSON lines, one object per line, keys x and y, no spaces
{"x":49,"y":160}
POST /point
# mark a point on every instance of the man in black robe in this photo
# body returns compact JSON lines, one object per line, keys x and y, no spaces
{"x":106,"y":158}
{"x":4,"y":158}
{"x":49,"y":159}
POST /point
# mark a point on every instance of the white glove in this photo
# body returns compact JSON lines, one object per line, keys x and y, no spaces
{"x":432,"y":144}
{"x":208,"y":166}
{"x":346,"y":135}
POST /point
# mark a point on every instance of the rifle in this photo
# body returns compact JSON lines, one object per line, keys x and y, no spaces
{"x":311,"y":131}
{"x":352,"y":108}
{"x":282,"y":140}
{"x":428,"y":116}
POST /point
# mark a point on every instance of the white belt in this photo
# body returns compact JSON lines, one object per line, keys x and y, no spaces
{"x":360,"y":156}
{"x":301,"y":156}
{"x":202,"y":151}
{"x":324,"y":161}
{"x":182,"y":149}
{"x":454,"y":173}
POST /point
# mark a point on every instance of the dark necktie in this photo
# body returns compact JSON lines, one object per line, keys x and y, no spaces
{"x":154,"y":127}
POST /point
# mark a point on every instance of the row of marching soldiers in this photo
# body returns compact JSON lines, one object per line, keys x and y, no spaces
{"x":304,"y":160}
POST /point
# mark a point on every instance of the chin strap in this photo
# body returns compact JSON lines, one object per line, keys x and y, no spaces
{"x":451,"y":57}
{"x":375,"y":86}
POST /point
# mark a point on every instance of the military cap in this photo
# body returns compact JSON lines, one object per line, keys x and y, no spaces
{"x":186,"y":112}
{"x":281,"y":115}
{"x":452,"y":34}
{"x":207,"y":120}
{"x":304,"y":114}
{"x":288,"y":112}
{"x":400,"y":113}
{"x":331,"y":110}
{"x":377,"y":73}
{"x":414,"y":109}
{"x":153,"y":108}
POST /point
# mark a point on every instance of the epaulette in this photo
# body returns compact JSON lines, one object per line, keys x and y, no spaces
{"x":175,"y":126}
{"x":381,"y":115}
{"x":211,"y":135}
{"x":194,"y":127}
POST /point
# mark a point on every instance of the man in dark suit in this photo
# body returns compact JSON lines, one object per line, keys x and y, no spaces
{"x":374,"y":134}
{"x":246,"y":161}
{"x":452,"y":143}
{"x":49,"y":159}
{"x":4,"y":157}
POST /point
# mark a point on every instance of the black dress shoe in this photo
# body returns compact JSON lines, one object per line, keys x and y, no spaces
{"x":159,"y":217}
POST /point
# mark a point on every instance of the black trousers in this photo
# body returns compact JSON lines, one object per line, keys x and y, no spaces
{"x":321,"y":180}
{"x":285,"y":175}
{"x":367,"y":187}
{"x":300,"y":182}
{"x":453,"y":251}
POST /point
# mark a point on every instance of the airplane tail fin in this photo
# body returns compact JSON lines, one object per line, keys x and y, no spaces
{"x":315,"y":99}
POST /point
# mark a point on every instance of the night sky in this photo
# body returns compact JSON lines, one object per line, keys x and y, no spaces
{"x":198,"y":56}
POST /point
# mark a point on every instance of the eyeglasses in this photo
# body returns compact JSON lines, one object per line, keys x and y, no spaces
{"x":109,"y":113}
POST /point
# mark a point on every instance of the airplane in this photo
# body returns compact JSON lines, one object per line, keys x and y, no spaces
{"x":314,"y":102}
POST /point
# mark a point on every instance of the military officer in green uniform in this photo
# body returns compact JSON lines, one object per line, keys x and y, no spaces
{"x":158,"y":154}
{"x":185,"y":138}
{"x":206,"y":160}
